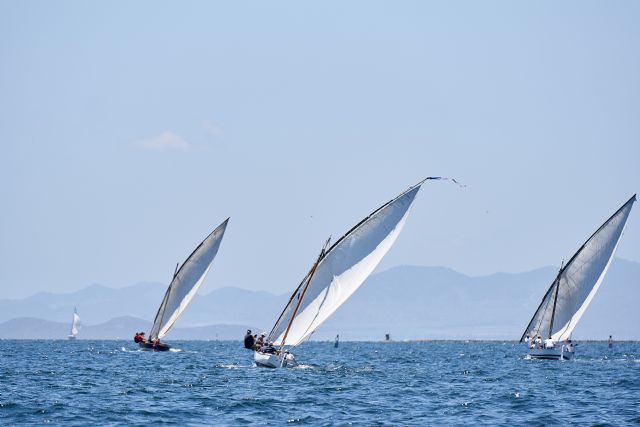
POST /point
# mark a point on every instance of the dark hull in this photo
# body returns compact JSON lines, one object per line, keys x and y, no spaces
{"x":154,"y":347}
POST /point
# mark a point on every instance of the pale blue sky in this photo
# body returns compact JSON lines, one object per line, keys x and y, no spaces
{"x":130,"y":130}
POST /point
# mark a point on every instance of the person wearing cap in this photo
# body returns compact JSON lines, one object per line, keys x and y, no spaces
{"x":249,"y":340}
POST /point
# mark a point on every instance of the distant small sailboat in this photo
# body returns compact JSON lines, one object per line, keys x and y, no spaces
{"x":337,"y":341}
{"x":337,"y":273}
{"x":571,"y":292}
{"x":75,"y":325}
{"x":186,"y":281}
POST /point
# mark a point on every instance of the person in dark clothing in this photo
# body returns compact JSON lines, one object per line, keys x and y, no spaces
{"x":268,"y":348}
{"x":249,"y":340}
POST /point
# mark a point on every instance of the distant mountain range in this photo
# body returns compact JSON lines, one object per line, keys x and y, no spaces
{"x":117,"y":328}
{"x":408,"y":302}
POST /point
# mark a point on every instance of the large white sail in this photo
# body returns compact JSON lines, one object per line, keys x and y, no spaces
{"x":341,"y":270}
{"x":571,"y":293}
{"x":75,"y":323}
{"x":186,"y":282}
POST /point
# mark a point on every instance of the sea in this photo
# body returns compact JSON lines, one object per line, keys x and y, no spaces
{"x":358,"y":383}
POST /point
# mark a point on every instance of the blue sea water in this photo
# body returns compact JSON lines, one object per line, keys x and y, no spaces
{"x":214,"y":383}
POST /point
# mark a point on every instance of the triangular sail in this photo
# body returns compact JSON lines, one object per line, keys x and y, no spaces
{"x":342,"y":269}
{"x":578,"y":281}
{"x":75,"y":323}
{"x":186,"y":282}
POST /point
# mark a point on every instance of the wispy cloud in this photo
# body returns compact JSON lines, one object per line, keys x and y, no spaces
{"x":211,"y":128}
{"x":166,"y":141}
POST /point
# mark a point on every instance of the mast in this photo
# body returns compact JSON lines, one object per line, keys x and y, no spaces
{"x":295,"y":318}
{"x":163,"y":305}
{"x":541,"y":314}
{"x":555,"y":300}
{"x":304,"y":290}
{"x":304,"y":281}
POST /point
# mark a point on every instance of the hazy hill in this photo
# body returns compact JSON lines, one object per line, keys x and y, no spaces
{"x":407,"y":302}
{"x":432,"y":302}
{"x":117,"y":328}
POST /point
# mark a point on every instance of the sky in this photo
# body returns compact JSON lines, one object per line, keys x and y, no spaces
{"x":130,"y":130}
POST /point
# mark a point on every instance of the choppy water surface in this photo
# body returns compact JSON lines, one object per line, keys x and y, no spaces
{"x":111,"y":382}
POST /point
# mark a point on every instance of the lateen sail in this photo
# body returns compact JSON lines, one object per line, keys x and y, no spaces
{"x":75,"y":323}
{"x":186,"y":282}
{"x":577,"y":283}
{"x":341,"y":270}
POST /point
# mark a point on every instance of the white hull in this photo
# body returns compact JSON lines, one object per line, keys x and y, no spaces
{"x":269,"y":360}
{"x":71,"y":337}
{"x":556,"y":353}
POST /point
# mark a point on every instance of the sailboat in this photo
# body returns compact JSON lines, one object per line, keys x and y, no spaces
{"x":75,"y":324}
{"x":186,"y":281}
{"x":572,"y":290}
{"x":336,"y":274}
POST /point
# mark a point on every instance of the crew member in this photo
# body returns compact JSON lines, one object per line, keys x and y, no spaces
{"x":139,"y":337}
{"x":259,"y":342}
{"x":249,"y":340}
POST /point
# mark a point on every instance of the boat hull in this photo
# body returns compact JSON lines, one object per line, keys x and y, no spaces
{"x":71,"y":337}
{"x":556,"y":353}
{"x":266,"y":360}
{"x":154,"y":347}
{"x":270,"y":360}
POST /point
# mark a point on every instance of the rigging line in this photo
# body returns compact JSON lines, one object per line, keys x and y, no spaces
{"x":538,"y":310}
{"x":631,"y":200}
{"x":324,"y":299}
{"x":223,"y":225}
{"x":555,"y":299}
{"x":334,"y":245}
{"x":553,"y":312}
{"x":301,"y":297}
{"x":575,"y":255}
{"x":566,"y":327}
{"x":158,"y":316}
{"x":358,"y":225}
{"x":326,"y":295}
{"x":455,"y":181}
{"x":337,"y":242}
{"x":163,"y":306}
{"x":536,"y":329}
{"x":271,"y":336}
{"x":541,"y":318}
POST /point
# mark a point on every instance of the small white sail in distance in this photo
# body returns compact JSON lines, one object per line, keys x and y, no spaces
{"x":186,"y":282}
{"x":341,"y":270}
{"x":578,"y":281}
{"x":75,"y":324}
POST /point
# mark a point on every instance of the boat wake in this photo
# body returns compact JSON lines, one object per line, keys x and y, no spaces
{"x":302,"y":367}
{"x":231,"y":366}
